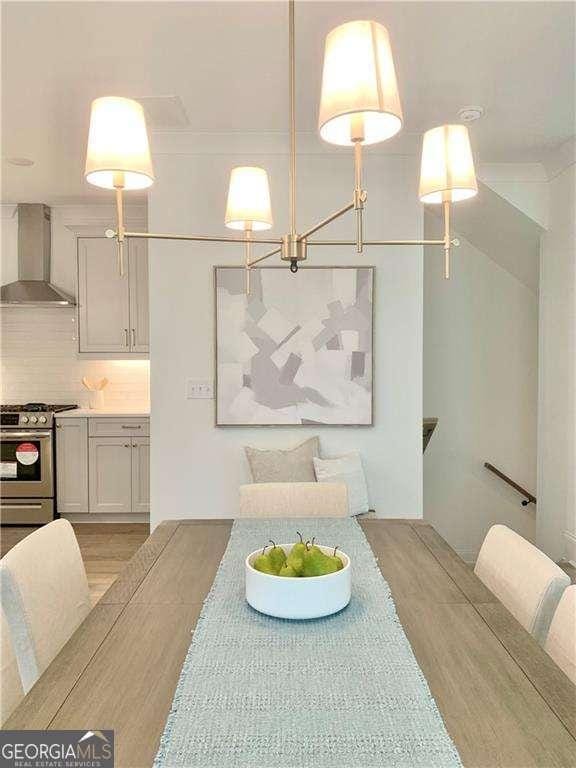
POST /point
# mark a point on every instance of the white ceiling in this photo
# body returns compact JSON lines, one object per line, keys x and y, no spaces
{"x":227,"y":64}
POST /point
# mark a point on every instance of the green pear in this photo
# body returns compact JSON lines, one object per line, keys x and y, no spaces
{"x":287,"y":570}
{"x":296,"y":557}
{"x":263,"y":563}
{"x":277,"y":557}
{"x":300,"y":547}
{"x":337,"y":561}
{"x":316,"y":563}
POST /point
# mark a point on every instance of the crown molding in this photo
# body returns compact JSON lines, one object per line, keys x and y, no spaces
{"x":79,"y":217}
{"x":82,"y":219}
{"x":7,"y":211}
{"x":258,"y":143}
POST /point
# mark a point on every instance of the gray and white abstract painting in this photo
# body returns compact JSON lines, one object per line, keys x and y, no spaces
{"x":297,"y":350}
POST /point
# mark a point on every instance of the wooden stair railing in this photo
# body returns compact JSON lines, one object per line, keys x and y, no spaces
{"x":528,"y":497}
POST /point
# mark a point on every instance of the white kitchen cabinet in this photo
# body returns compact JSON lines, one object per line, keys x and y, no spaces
{"x":141,"y":475}
{"x":112,"y":310}
{"x":72,"y":466}
{"x":110,"y":471}
{"x":139,"y":314}
{"x":103,"y":465}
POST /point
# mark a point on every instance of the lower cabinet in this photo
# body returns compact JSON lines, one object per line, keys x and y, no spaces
{"x":141,"y":475}
{"x":72,"y":466}
{"x":102,"y":474}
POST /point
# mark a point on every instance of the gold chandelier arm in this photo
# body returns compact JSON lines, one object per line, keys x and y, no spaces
{"x":196,"y":238}
{"x":247,"y":258}
{"x":326,"y":221}
{"x":119,"y":187}
{"x":447,"y":242}
{"x":266,"y":256}
{"x":384,"y":242}
{"x":359,"y":196}
{"x":292,"y":98}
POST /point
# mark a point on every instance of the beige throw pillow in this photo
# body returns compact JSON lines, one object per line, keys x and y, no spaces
{"x":293,"y":466}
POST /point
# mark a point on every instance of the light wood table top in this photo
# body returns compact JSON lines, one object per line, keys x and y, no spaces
{"x":504,"y":702}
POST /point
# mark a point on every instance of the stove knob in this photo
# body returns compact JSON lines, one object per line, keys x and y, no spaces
{"x":42,"y":419}
{"x":33,"y":419}
{"x":24,"y":419}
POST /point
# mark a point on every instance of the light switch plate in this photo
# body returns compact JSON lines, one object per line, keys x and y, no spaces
{"x":199,"y":389}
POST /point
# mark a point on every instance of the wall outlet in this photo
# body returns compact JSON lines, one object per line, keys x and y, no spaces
{"x":202,"y":389}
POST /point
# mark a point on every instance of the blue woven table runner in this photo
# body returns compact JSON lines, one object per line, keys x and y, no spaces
{"x":343,"y":691}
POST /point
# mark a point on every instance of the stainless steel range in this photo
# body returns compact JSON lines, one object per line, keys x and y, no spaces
{"x":27,"y":483}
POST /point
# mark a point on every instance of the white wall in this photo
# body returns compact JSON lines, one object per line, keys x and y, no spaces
{"x":196,"y":468}
{"x":525,"y":185}
{"x":39,"y":346}
{"x":556,"y":525}
{"x":480,"y":380}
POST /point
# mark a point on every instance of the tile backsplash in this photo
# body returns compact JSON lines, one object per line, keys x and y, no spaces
{"x":40,"y":362}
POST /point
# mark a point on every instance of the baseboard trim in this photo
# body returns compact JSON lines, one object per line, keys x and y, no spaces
{"x":104,"y":518}
{"x":570,"y":547}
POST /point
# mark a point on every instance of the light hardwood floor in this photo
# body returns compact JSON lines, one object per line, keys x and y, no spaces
{"x":105,"y":548}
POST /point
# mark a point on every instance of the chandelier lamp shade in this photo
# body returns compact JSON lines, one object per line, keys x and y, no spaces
{"x":447,"y":167}
{"x":359,"y":99}
{"x":248,"y":206}
{"x":359,"y":106}
{"x":118,"y":150}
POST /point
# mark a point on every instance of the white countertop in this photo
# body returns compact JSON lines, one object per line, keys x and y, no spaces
{"x":142,"y":413}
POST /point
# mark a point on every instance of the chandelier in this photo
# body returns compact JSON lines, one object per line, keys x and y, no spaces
{"x":359,"y":105}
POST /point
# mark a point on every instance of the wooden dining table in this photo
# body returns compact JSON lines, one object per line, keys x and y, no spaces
{"x":503,"y":700}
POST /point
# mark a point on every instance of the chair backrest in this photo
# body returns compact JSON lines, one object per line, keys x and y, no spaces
{"x":561,"y":640}
{"x":294,"y":500}
{"x":521,"y":576}
{"x":45,"y":596}
{"x":11,"y":691}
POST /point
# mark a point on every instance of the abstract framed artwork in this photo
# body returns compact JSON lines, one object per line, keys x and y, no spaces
{"x":297,"y":349}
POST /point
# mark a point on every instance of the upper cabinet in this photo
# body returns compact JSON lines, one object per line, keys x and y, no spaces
{"x":112,"y":310}
{"x":138,"y":280}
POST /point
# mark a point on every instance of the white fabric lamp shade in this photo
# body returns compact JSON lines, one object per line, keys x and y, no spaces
{"x":359,"y":88}
{"x":447,"y":167}
{"x":248,"y":205}
{"x":118,"y":144}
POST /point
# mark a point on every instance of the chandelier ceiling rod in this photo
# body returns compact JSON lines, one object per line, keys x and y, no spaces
{"x":292,"y":99}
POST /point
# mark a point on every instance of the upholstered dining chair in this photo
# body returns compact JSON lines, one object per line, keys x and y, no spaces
{"x":561,"y":640}
{"x":294,"y":500}
{"x":11,"y":691}
{"x":45,"y":596}
{"x":522,"y":577}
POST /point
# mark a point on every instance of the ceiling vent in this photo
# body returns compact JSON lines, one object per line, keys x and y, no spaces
{"x":164,"y":112}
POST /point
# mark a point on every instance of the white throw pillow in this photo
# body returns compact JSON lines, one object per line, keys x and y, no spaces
{"x":345,"y":469}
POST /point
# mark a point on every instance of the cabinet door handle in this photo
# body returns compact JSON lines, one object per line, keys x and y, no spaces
{"x":126,"y":445}
{"x":133,"y":337}
{"x":126,"y":337}
{"x":131,"y":426}
{"x":134,"y":445}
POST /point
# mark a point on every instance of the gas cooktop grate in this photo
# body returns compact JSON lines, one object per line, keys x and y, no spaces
{"x":36,"y":408}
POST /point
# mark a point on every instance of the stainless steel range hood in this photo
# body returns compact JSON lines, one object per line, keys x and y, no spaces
{"x":33,"y":287}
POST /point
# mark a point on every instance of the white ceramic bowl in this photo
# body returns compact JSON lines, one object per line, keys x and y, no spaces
{"x":298,"y":598}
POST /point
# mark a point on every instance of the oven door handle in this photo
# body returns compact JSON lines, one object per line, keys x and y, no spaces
{"x":15,"y":505}
{"x":30,"y":434}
